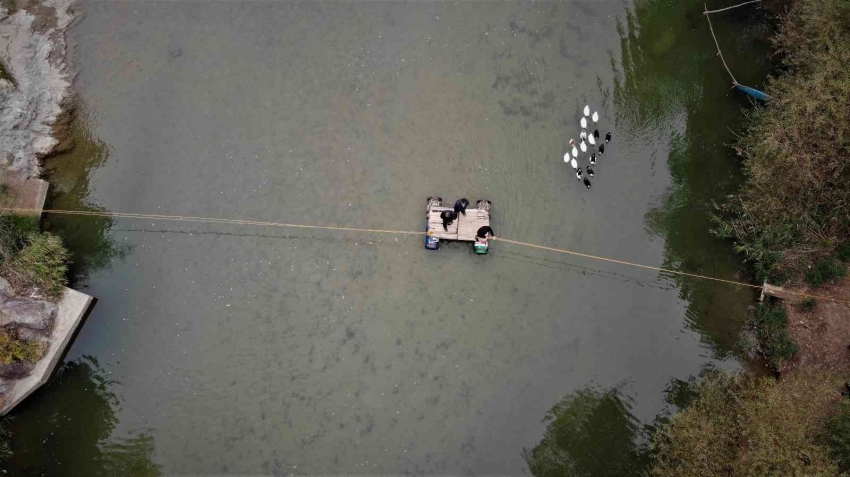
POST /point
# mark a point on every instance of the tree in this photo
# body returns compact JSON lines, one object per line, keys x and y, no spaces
{"x":745,"y":426}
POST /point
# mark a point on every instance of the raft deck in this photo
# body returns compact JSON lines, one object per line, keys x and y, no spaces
{"x":463,"y":228}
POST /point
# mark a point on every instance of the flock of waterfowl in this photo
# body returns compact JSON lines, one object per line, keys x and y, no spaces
{"x":591,"y":138}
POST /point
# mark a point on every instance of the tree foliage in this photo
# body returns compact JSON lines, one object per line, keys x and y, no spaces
{"x":797,"y":149}
{"x":745,"y":426}
{"x":770,"y":328}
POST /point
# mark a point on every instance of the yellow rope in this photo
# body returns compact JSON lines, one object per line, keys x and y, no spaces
{"x":665,"y":270}
{"x":182,"y":218}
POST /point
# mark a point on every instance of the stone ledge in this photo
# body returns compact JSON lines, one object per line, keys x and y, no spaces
{"x":72,"y":308}
{"x":29,"y":194}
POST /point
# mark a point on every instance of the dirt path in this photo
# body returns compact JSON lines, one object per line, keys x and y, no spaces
{"x":823,"y":333}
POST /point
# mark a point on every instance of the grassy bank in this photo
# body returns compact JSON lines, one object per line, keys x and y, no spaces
{"x":793,"y":212}
{"x":32,"y":261}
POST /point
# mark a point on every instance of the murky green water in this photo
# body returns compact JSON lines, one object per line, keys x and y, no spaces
{"x":241,"y":350}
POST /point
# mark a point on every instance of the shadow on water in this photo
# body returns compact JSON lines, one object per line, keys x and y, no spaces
{"x":77,"y":406}
{"x":69,"y":174}
{"x":590,"y":432}
{"x":672,"y":94}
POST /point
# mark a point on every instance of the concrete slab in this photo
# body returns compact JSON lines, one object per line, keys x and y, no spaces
{"x":30,"y":194}
{"x":72,"y":308}
{"x":778,"y":292}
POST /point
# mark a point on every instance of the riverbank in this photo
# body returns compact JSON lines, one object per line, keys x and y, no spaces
{"x":791,"y":213}
{"x":790,"y":222}
{"x":38,"y":314}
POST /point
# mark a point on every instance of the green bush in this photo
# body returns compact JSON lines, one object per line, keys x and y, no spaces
{"x":14,"y":232}
{"x":742,"y":426}
{"x":42,"y":263}
{"x":808,"y":304}
{"x":826,"y":270}
{"x":770,"y":326}
{"x":14,"y":350}
{"x":843,"y":252}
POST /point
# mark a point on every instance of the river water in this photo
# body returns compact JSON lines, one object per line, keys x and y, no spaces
{"x":221,"y":349}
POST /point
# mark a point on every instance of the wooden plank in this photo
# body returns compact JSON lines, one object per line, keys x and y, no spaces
{"x":435,"y":224}
{"x":471,"y":222}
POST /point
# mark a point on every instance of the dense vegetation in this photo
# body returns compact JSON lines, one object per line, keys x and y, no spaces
{"x":769,"y":326}
{"x":30,"y":259}
{"x":739,"y":425}
{"x":729,"y":425}
{"x":794,"y":208}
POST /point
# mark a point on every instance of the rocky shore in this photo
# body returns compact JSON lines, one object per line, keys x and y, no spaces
{"x":37,"y":90}
{"x":35,"y":97}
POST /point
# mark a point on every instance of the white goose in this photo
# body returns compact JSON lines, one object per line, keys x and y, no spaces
{"x":586,"y":110}
{"x":583,"y":146}
{"x":574,"y":152}
{"x":591,"y":139}
{"x":574,"y":163}
{"x":583,"y":123}
{"x":595,"y":116}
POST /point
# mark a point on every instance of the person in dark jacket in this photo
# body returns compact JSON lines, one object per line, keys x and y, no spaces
{"x":448,"y":217}
{"x":461,"y":205}
{"x":484,"y":233}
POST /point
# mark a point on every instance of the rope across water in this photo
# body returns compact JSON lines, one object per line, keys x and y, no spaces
{"x":214,"y":220}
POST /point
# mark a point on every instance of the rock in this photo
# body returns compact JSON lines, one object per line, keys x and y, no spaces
{"x":33,"y":52}
{"x":17,"y":370}
{"x":29,"y":313}
{"x":6,"y":291}
{"x":29,"y":334}
{"x":5,"y":388}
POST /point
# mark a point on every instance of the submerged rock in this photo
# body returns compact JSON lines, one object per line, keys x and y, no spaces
{"x":25,"y":312}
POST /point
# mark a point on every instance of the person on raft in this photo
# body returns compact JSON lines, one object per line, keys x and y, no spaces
{"x":461,"y":205}
{"x":448,"y":217}
{"x":484,"y":234}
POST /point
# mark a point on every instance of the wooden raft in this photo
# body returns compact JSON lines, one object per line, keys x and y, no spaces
{"x":463,"y":228}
